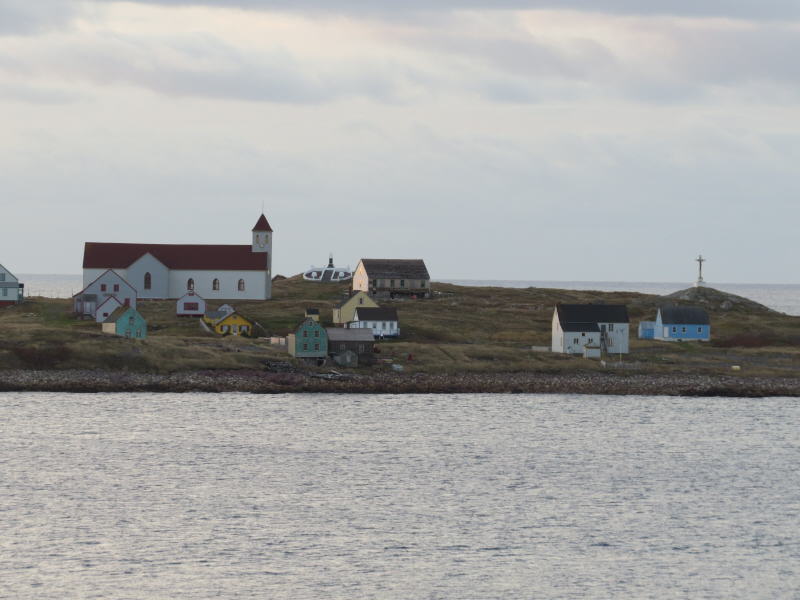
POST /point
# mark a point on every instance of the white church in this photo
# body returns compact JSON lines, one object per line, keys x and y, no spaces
{"x":168,"y":271}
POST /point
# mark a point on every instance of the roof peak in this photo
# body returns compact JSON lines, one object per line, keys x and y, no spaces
{"x":262,"y":224}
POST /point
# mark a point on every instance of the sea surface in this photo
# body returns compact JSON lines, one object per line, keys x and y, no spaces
{"x":784,"y":298}
{"x":165,"y":496}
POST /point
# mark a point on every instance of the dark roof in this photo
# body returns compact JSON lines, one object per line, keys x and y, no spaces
{"x":397,"y":268}
{"x":571,"y":315}
{"x":118,"y":313}
{"x":684,"y":315}
{"x":366,"y":313}
{"x":262,"y":224}
{"x":312,"y":311}
{"x":102,"y":255}
{"x":340,"y":334}
{"x":216,"y":315}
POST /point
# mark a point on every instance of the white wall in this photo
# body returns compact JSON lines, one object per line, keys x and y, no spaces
{"x":618,"y":341}
{"x":110,"y":279}
{"x":159,"y":277}
{"x":256,"y":284}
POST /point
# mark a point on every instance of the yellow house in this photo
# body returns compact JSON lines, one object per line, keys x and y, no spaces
{"x":345,"y":311}
{"x":228,"y":323}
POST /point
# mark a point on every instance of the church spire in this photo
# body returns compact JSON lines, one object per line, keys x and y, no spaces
{"x":262,"y":224}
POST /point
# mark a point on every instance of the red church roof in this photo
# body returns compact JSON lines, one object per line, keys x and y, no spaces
{"x":262,"y":224}
{"x":200,"y":257}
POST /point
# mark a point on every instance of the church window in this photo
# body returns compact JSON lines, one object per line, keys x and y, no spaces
{"x":148,"y":281}
{"x":190,"y":284}
{"x":241,"y":285}
{"x":215,"y":285}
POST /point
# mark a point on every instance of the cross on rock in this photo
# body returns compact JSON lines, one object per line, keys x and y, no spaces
{"x":700,"y":260}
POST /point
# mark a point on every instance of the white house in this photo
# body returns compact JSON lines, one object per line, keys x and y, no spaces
{"x":383,"y":322}
{"x":578,"y":326}
{"x":190,"y":304}
{"x":215,"y":272}
{"x":11,"y":290}
{"x":108,"y":284}
{"x":105,"y":308}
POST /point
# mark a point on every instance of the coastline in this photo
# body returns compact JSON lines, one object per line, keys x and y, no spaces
{"x":260,"y":382}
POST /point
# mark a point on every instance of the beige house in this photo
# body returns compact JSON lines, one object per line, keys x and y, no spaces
{"x":345,"y":311}
{"x":385,"y":277}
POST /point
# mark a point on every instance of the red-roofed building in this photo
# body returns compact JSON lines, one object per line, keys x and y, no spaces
{"x":218,"y":272}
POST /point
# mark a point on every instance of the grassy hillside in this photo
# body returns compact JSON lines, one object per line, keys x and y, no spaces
{"x":473,"y":329}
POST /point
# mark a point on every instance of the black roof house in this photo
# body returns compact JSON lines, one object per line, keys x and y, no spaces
{"x":395,"y":268}
{"x":585,"y":317}
{"x":684,"y":315}
{"x":366,"y":313}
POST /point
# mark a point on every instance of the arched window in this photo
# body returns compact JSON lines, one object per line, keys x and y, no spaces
{"x":241,"y":285}
{"x":148,"y":281}
{"x":215,"y":285}
{"x":190,"y":284}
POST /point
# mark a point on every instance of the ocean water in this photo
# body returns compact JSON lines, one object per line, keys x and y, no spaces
{"x":784,"y":298}
{"x":448,"y":497}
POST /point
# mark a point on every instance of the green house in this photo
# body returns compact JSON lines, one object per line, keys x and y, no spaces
{"x":309,"y":340}
{"x":126,"y":321}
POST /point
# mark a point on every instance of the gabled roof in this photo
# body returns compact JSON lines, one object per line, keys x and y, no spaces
{"x":111,"y":298}
{"x":684,"y":315}
{"x":262,"y":224}
{"x":118,"y":313}
{"x":339,"y":334}
{"x":397,"y":268}
{"x":103,"y":274}
{"x":366,"y":313}
{"x":192,"y":294}
{"x":2,"y":268}
{"x":577,"y":316}
{"x":103,"y":255}
{"x":349,"y":298}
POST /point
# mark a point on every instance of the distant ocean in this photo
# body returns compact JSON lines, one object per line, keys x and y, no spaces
{"x":782,"y":297}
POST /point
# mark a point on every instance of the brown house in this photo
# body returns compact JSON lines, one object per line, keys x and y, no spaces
{"x":351,"y":347}
{"x":392,"y":277}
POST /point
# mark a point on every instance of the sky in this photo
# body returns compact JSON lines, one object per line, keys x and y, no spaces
{"x":571,"y":140}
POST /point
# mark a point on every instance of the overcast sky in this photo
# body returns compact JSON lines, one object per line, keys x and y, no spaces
{"x":497,"y":139}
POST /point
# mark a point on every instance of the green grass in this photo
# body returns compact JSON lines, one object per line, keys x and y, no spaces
{"x":472,"y":329}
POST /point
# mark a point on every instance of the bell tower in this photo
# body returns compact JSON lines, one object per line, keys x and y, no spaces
{"x":262,"y":242}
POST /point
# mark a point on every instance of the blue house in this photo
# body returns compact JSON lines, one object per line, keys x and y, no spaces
{"x":677,"y":324}
{"x":309,"y":340}
{"x":126,"y":321}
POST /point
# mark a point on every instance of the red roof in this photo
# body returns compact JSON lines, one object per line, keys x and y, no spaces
{"x":262,"y":224}
{"x":100,"y":255}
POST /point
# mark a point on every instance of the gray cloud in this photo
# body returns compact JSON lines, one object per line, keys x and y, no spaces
{"x":744,"y":9}
{"x":20,"y":17}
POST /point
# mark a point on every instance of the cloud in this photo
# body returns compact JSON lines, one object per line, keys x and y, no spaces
{"x":21,"y":17}
{"x":741,"y":9}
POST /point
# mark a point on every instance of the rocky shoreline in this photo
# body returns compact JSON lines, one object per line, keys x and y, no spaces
{"x":253,"y":381}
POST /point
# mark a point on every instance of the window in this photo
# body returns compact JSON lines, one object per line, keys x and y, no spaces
{"x":241,"y":285}
{"x":342,"y":347}
{"x":190,"y":285}
{"x":316,"y":334}
{"x":576,"y":340}
{"x":148,"y":281}
{"x":384,"y":325}
{"x":402,"y":283}
{"x":391,"y":283}
{"x":305,"y":334}
{"x":116,"y":287}
{"x":104,"y":314}
{"x":683,"y":329}
{"x":2,"y":276}
{"x":305,"y":346}
{"x":138,"y":333}
{"x":583,"y":335}
{"x":191,"y":306}
{"x":215,"y":285}
{"x":374,"y":325}
{"x":674,"y":330}
{"x":131,"y":321}
{"x":422,"y":283}
{"x":103,"y":287}
{"x":361,"y":300}
{"x":699,"y":330}
{"x":316,"y":346}
{"x":611,"y":327}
